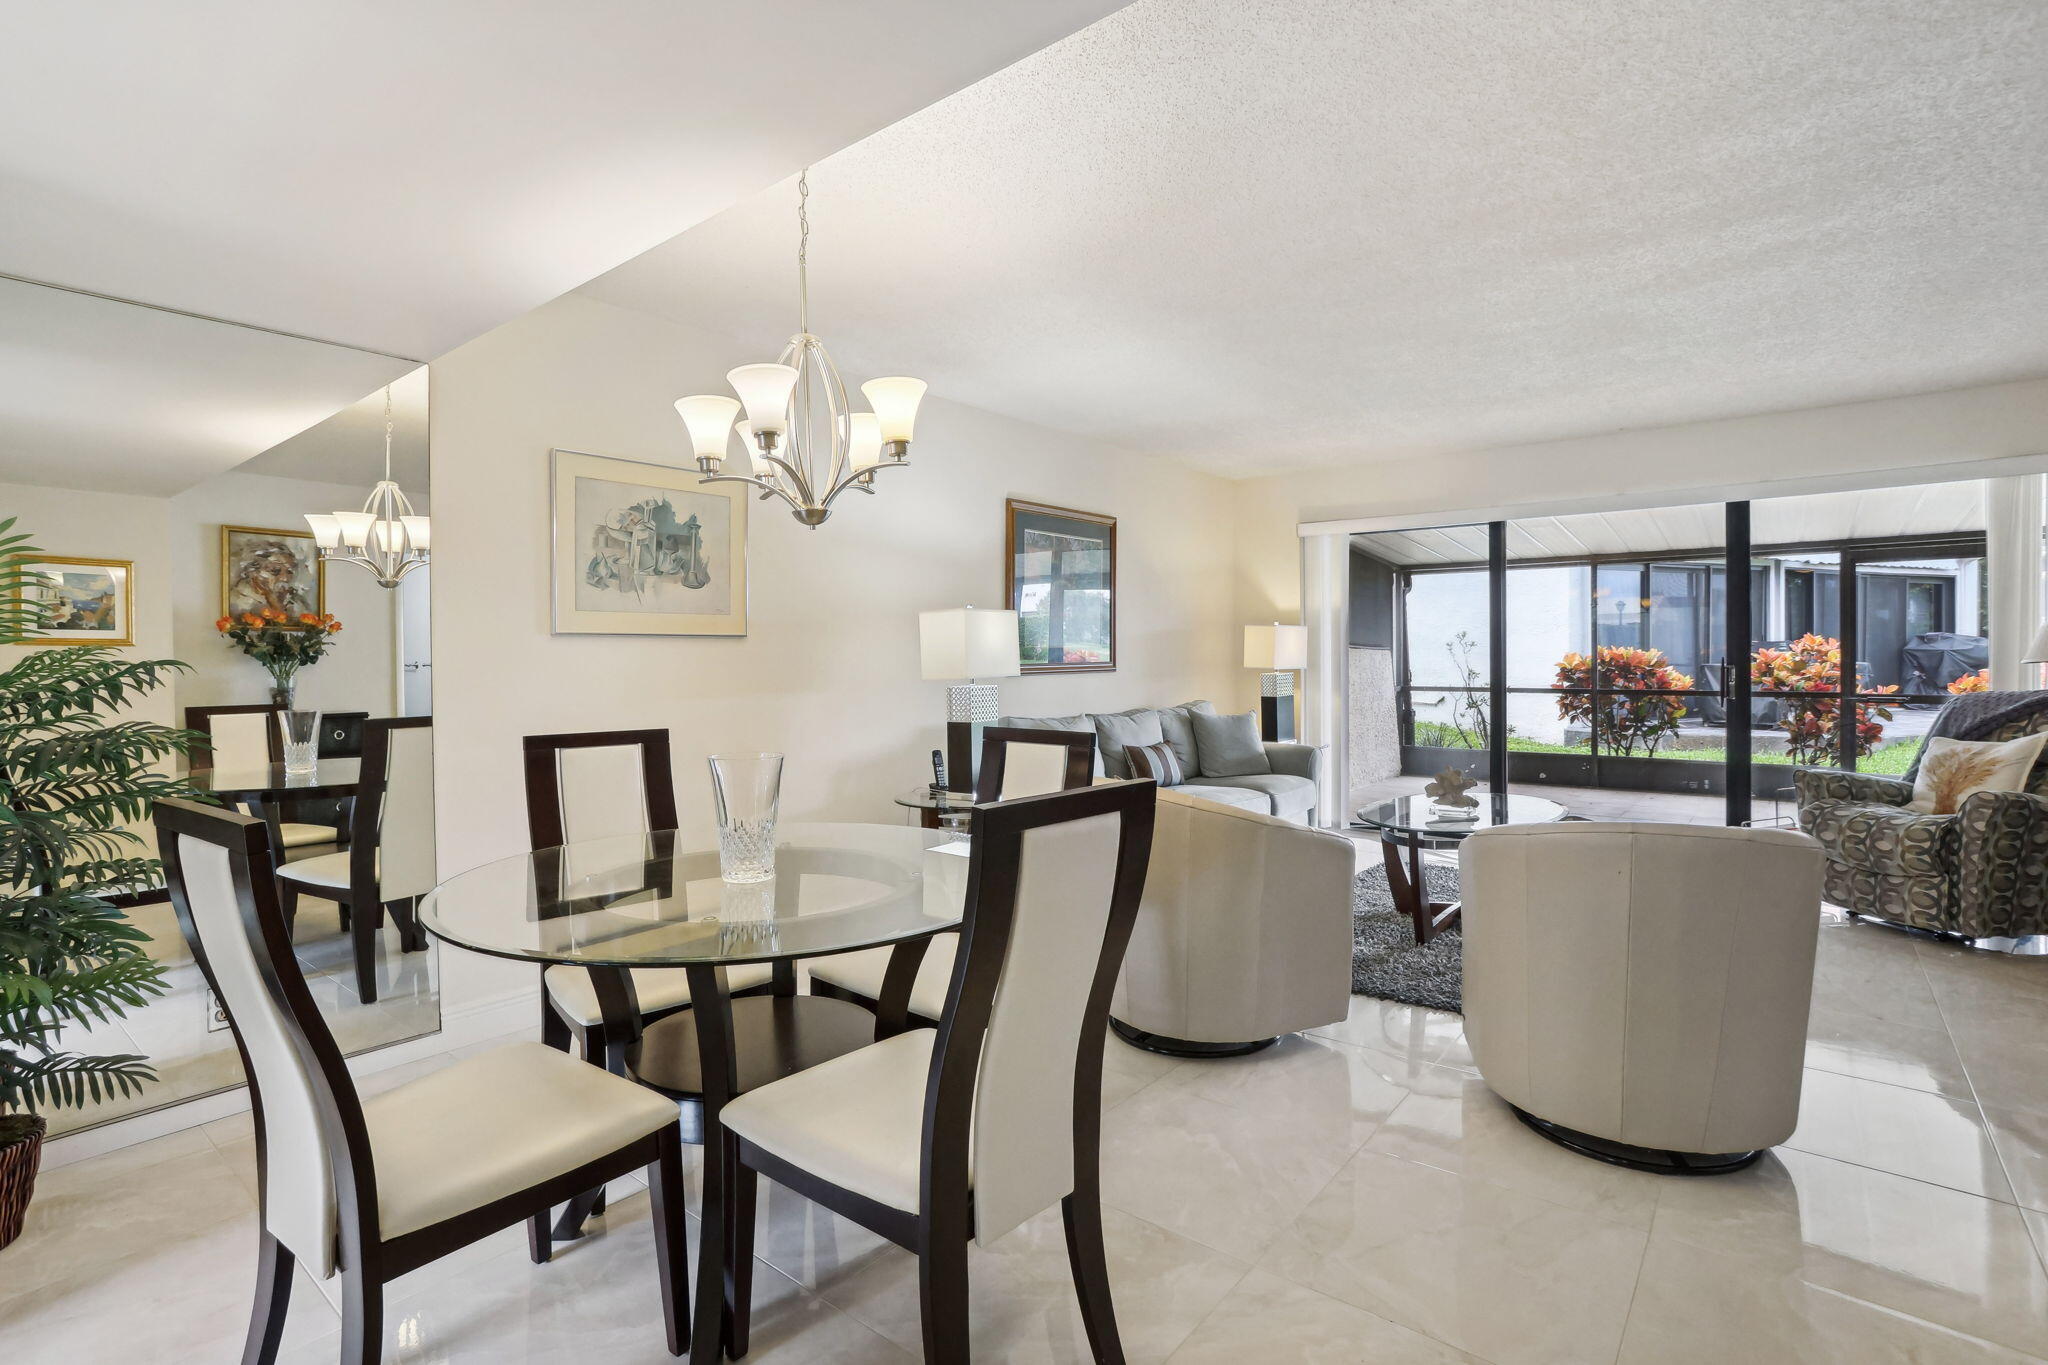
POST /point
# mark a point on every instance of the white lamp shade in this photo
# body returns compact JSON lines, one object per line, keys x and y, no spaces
{"x":1276,"y":648}
{"x":326,"y":530}
{"x":863,"y":440}
{"x":419,"y":531}
{"x":765,"y":389}
{"x":895,"y":401}
{"x":2037,"y":653}
{"x":355,"y":528}
{"x":709,"y":419}
{"x":960,"y":642}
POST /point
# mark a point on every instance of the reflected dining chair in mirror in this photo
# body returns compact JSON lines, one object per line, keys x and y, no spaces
{"x":373,"y":1188}
{"x":594,"y":785}
{"x":933,"y":1137}
{"x":389,"y":863}
{"x":245,"y":737}
{"x":1015,"y":762}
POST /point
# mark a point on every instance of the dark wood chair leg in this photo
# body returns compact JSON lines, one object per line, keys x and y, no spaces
{"x":707,"y":1332}
{"x":745,"y":1191}
{"x":540,"y":1241}
{"x":362,"y":1319}
{"x":671,"y":1251}
{"x":554,"y":1029}
{"x":942,"y":1290}
{"x":288,"y":903}
{"x":363,"y":938}
{"x":273,"y":1299}
{"x":1082,"y":1212}
{"x":405,"y":914}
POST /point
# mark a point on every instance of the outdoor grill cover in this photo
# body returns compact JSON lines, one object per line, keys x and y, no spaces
{"x":1936,"y":659}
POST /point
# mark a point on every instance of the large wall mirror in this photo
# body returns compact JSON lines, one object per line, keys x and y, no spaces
{"x":222,"y":551}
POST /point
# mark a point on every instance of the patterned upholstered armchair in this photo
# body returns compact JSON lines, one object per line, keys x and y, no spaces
{"x":1981,"y":872}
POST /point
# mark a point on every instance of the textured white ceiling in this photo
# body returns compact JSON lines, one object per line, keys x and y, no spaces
{"x":1295,"y":233}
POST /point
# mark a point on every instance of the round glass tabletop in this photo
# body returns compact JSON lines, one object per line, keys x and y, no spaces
{"x":655,"y":900}
{"x":329,"y":777}
{"x":1418,"y":815}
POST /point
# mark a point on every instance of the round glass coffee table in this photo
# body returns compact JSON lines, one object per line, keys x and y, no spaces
{"x":939,"y":809}
{"x":1410,"y":824}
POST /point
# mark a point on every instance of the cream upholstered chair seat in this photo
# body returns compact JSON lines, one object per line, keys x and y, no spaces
{"x":857,"y":1120}
{"x":326,"y":869}
{"x":654,"y":988}
{"x":458,"y":1138}
{"x":293,"y":834}
{"x":862,"y":973}
{"x":1643,"y":984}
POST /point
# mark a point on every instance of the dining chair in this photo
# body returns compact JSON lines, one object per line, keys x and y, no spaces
{"x":247,"y":737}
{"x":932,"y":1137}
{"x":593,"y":785}
{"x":374,"y":1188}
{"x":389,"y":863}
{"x":1015,"y":761}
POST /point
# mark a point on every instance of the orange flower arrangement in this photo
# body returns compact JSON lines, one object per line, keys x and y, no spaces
{"x":282,"y":644}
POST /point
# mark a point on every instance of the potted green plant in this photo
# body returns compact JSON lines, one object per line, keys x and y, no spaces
{"x":71,"y":781}
{"x":283,"y":644}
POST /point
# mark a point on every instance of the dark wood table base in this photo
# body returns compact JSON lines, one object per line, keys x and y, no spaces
{"x":1410,"y":888}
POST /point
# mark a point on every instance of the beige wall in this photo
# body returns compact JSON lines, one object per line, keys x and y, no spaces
{"x":358,"y":672}
{"x":829,"y":673}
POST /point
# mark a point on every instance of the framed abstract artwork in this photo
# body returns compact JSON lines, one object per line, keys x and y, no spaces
{"x":1060,"y":579}
{"x":93,"y":600}
{"x":646,"y":549}
{"x":263,"y":569}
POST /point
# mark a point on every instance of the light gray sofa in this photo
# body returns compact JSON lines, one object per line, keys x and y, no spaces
{"x":1288,"y":791}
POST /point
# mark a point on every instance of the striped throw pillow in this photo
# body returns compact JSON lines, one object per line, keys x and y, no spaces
{"x":1156,"y":761}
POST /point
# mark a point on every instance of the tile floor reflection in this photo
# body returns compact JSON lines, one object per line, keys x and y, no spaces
{"x":1355,"y":1194}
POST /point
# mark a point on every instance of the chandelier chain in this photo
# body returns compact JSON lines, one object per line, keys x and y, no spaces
{"x":803,"y":249}
{"x":387,"y":432}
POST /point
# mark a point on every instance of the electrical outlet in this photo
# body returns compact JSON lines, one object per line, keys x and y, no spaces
{"x":216,"y":1013}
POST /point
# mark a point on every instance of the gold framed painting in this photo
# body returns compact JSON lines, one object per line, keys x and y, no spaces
{"x":263,"y":569}
{"x":1060,"y":578}
{"x":646,"y":549}
{"x":94,"y":600}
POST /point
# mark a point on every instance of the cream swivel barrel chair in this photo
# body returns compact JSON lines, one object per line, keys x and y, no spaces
{"x":371,"y":1189}
{"x":1245,"y":933}
{"x":1638,"y":992}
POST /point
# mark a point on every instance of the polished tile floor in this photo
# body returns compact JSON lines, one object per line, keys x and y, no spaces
{"x":1355,"y":1194}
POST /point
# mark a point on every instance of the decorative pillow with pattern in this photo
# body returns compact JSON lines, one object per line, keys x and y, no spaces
{"x":1952,"y":769}
{"x":1156,"y":761}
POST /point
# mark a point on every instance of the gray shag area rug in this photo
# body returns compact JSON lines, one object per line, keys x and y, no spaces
{"x":1387,"y":963}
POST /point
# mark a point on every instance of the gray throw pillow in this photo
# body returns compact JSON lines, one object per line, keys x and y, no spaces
{"x":1179,"y":730}
{"x":1084,"y":725}
{"x":1230,"y":745}
{"x":1116,"y":733}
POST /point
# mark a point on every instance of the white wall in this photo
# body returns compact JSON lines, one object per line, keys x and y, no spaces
{"x":829,"y":673}
{"x":357,"y":673}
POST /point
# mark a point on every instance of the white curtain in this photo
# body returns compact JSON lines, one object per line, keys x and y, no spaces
{"x":2013,"y":528}
{"x":1325,"y":610}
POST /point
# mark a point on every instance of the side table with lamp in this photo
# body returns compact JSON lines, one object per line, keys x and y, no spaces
{"x":963,"y":646}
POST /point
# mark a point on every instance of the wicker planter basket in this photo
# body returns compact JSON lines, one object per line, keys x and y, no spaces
{"x":21,"y":1148}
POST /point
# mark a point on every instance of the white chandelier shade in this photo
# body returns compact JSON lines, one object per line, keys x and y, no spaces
{"x":804,"y":442}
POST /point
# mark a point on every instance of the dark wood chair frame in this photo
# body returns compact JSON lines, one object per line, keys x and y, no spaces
{"x":995,"y":747}
{"x":362,"y":912}
{"x":940,"y":1231}
{"x":273,"y":813}
{"x":368,"y":1261}
{"x":995,"y":750}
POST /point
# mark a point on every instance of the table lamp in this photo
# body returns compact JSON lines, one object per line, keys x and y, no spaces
{"x":962,"y":643}
{"x":1279,"y":650}
{"x":2037,"y":653}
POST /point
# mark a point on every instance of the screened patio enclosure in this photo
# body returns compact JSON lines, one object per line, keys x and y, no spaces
{"x":1690,"y":650}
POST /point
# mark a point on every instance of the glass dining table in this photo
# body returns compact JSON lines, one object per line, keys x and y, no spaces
{"x":656,"y":900}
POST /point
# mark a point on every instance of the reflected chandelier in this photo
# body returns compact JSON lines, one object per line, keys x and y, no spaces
{"x":386,"y":537}
{"x":805,"y":444}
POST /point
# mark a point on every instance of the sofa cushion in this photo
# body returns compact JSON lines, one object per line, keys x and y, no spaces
{"x":1884,"y":839}
{"x":1176,"y":724}
{"x":1119,"y":731}
{"x":1213,"y":790}
{"x":1156,"y":761}
{"x":1084,"y":725}
{"x":1229,"y":746}
{"x":1280,"y":794}
{"x":1951,"y":769}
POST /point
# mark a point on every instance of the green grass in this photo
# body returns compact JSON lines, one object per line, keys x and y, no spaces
{"x":1891,"y":759}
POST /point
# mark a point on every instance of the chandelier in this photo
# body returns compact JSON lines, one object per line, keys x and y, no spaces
{"x":386,"y":537}
{"x":804,"y":442}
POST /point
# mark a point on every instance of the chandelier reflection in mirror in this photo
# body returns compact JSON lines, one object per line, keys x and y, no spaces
{"x":386,"y":537}
{"x":803,"y":442}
